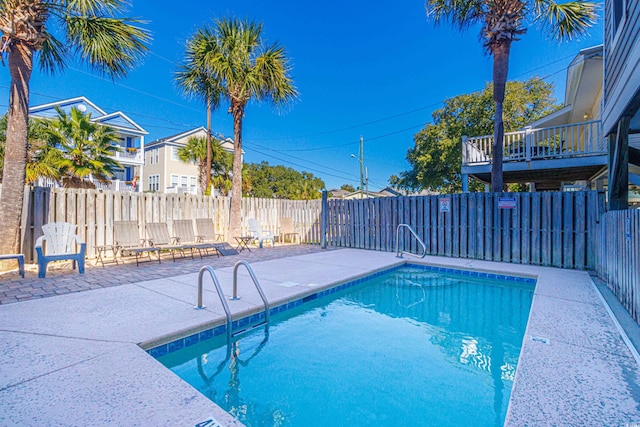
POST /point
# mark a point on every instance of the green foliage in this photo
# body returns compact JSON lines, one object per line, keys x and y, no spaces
{"x":280,"y":182}
{"x":437,"y":155}
{"x":74,"y":146}
{"x":348,"y":187}
{"x":221,"y":162}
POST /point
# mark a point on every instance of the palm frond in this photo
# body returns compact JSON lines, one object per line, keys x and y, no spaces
{"x":111,"y":45}
{"x":95,"y":7}
{"x":52,"y":54}
{"x":459,"y":13}
{"x":563,"y":21}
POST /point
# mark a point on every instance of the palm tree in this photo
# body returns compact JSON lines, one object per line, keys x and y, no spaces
{"x":85,"y":148}
{"x":503,"y":21}
{"x":89,"y":29}
{"x":246,"y":69}
{"x":196,"y":80}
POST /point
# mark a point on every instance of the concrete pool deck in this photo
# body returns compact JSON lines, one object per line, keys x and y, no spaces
{"x":76,"y":359}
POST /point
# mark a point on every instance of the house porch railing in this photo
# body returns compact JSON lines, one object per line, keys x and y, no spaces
{"x":573,"y":140}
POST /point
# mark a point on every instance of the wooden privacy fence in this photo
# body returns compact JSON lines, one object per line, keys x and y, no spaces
{"x":551,"y":229}
{"x":619,"y":257}
{"x":94,"y":211}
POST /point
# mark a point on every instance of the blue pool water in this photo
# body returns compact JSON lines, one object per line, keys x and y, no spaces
{"x":406,"y":348}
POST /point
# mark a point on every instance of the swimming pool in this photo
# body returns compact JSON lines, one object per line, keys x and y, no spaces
{"x":407,"y":347}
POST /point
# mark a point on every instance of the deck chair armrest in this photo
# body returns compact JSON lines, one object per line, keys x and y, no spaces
{"x":39,"y":241}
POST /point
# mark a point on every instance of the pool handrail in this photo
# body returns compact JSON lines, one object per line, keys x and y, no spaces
{"x":398,"y":253}
{"x":255,"y":282}
{"x":225,"y":306}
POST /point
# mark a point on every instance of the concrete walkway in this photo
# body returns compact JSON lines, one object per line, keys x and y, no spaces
{"x":76,"y":359}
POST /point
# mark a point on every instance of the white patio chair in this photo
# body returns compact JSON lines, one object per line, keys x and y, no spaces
{"x":258,"y":233}
{"x":60,"y":238}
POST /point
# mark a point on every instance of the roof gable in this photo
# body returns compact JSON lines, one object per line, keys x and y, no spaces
{"x":81,"y":103}
{"x":121,"y":121}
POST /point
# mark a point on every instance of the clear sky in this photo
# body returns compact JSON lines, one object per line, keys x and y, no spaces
{"x":375,"y":69}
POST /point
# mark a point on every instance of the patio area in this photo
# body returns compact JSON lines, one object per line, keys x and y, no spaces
{"x":79,"y":359}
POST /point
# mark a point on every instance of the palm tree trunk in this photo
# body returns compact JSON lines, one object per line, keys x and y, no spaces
{"x":236,"y":188}
{"x":500,"y":70}
{"x":207,"y":183}
{"x":15,"y":157}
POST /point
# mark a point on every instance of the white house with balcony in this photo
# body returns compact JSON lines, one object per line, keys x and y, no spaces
{"x":165,"y":172}
{"x":130,"y":147}
{"x":564,"y":150}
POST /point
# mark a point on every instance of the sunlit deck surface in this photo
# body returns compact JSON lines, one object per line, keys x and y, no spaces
{"x":78,"y":358}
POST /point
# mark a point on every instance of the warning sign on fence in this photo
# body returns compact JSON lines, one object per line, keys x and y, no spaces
{"x":445,"y":204}
{"x":506,"y":203}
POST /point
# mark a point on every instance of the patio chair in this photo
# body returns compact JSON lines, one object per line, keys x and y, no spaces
{"x":158,"y":237}
{"x":183,"y":232}
{"x":60,"y":238}
{"x":126,"y":239}
{"x":288,"y":230}
{"x":258,"y":233}
{"x":206,"y":232}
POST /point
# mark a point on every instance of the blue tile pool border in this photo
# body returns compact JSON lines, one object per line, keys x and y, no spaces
{"x":179,"y":344}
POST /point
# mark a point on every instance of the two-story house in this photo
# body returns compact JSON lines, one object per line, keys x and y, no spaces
{"x":621,"y":97}
{"x":564,"y":149}
{"x":129,"y":147}
{"x":165,"y":172}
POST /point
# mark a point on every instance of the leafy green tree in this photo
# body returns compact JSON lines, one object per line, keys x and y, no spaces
{"x":196,"y":150}
{"x":503,"y":22}
{"x":85,"y":148}
{"x":348,"y":187}
{"x":246,"y":69}
{"x":280,"y":182}
{"x":92,"y":30}
{"x":436,"y":157}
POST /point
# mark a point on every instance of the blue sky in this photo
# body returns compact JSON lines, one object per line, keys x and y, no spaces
{"x":373,"y":69}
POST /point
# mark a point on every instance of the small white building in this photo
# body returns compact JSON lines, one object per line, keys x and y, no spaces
{"x":165,"y":172}
{"x":129,"y":148}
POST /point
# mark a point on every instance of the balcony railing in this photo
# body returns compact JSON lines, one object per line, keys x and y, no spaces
{"x":129,"y":154}
{"x":573,"y":140}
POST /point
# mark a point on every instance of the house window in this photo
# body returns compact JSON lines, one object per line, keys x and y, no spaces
{"x":618,"y":18}
{"x":154,"y":182}
{"x":183,"y":180}
{"x":174,"y":180}
{"x":193,"y":181}
{"x":150,"y":157}
{"x":157,"y":151}
{"x":174,"y":153}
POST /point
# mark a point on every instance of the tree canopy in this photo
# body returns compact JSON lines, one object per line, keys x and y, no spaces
{"x":437,"y":155}
{"x":280,"y":182}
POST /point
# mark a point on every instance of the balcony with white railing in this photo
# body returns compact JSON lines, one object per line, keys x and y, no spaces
{"x":559,"y":142}
{"x":128,"y":155}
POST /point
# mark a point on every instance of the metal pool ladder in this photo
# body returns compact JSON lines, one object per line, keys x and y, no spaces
{"x":225,"y":306}
{"x":398,"y":253}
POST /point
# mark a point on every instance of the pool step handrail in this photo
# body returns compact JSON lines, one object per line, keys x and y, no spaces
{"x":257,"y":285}
{"x":225,"y":306}
{"x":399,"y":253}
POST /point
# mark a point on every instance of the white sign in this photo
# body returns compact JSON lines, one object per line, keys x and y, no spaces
{"x":445,"y":204}
{"x":506,"y":202}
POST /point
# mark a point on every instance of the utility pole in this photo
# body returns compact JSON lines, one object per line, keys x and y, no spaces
{"x":361,"y":167}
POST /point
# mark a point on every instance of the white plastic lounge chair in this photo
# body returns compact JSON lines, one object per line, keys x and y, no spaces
{"x":183,"y":232}
{"x":288,"y":230}
{"x":126,"y":239}
{"x":60,"y":238}
{"x":258,"y":233}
